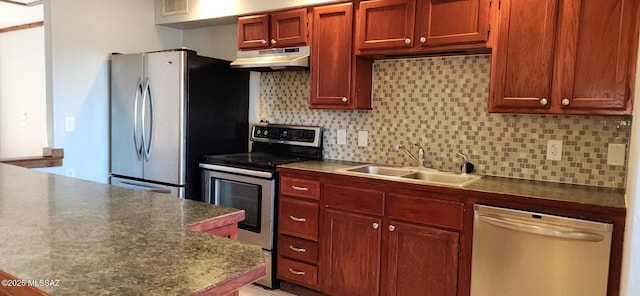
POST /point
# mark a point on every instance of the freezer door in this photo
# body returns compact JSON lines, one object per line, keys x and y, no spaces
{"x":164,"y":117}
{"x":126,"y":135}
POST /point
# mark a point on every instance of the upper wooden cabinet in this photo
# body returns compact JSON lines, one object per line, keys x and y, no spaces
{"x":339,"y":79}
{"x":414,"y":26}
{"x":564,"y":57}
{"x":277,"y":29}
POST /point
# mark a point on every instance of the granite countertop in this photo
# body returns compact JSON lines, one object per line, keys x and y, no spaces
{"x":98,"y":239}
{"x":597,"y":196}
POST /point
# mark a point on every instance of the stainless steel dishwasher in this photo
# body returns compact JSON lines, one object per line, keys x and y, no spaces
{"x":520,"y":253}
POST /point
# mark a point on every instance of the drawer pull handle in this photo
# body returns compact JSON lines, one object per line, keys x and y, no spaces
{"x":297,"y":219}
{"x":392,"y":228}
{"x":299,"y":250}
{"x":297,"y":272}
{"x":376,"y":225}
{"x":299,"y":188}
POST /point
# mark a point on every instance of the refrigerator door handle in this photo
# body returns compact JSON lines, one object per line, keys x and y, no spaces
{"x":147,"y":144}
{"x":137,"y":142}
{"x":145,"y":188}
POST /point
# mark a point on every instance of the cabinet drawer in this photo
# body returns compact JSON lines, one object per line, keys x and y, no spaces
{"x":298,"y":218}
{"x":425,"y":210}
{"x":297,"y":272}
{"x":299,"y":249}
{"x":300,"y":187}
{"x":354,"y":198}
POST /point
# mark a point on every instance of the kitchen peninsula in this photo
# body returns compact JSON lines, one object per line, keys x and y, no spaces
{"x":75,"y":237}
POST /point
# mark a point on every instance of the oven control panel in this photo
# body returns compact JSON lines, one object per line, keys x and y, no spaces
{"x":287,"y":134}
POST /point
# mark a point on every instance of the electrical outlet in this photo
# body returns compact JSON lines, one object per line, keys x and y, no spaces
{"x":342,"y":137}
{"x":554,"y":150}
{"x":616,"y":154}
{"x":70,"y":172}
{"x":363,"y":138}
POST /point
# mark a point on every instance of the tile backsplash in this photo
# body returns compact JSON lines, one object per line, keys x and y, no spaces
{"x":441,"y":102}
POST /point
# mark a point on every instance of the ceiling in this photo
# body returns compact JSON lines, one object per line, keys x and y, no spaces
{"x":14,"y":15}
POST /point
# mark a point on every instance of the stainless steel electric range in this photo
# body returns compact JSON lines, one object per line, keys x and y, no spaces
{"x":249,"y":181}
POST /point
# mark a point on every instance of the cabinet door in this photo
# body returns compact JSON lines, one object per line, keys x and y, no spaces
{"x":444,"y":22}
{"x":289,"y":28}
{"x":595,"y":51}
{"x":350,"y":253}
{"x":421,"y":261}
{"x":331,"y":58}
{"x":522,"y":65}
{"x":385,"y":24}
{"x":253,"y":32}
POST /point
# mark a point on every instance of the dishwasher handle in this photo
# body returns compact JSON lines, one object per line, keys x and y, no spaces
{"x":541,"y":230}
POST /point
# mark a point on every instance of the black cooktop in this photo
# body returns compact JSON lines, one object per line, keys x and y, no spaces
{"x":252,"y":160}
{"x":272,"y":145}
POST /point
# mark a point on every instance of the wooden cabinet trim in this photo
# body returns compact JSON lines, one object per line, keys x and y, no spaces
{"x":594,"y":54}
{"x":419,"y":209}
{"x":350,"y":253}
{"x":255,"y":26}
{"x":309,"y":189}
{"x":289,"y":28}
{"x":366,"y":201}
{"x":298,"y":249}
{"x":298,"y":218}
{"x":420,"y":258}
{"x":298,"y":272}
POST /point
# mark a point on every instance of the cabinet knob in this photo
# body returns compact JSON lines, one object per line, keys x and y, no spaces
{"x":263,"y":41}
{"x":344,"y":99}
{"x":392,"y":228}
{"x":376,"y":225}
{"x":544,"y":101}
{"x":565,"y":102}
{"x":423,"y":39}
{"x":407,"y":41}
{"x":273,"y":41}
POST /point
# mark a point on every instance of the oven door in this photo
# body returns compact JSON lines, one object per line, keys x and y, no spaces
{"x":255,"y":194}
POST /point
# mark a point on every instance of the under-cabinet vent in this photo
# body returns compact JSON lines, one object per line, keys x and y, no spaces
{"x":170,"y":7}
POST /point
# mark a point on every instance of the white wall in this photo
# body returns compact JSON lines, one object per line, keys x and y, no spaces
{"x":22,"y":93}
{"x":226,"y":11}
{"x":214,"y":41}
{"x":80,"y":36}
{"x":630,"y":280}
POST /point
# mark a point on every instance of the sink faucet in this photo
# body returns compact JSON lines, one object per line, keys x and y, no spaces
{"x":420,"y":154}
{"x":465,"y":164}
{"x":420,"y":159}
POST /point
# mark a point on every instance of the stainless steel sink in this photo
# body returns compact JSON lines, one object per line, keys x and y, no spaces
{"x":380,"y":170}
{"x":419,"y":175}
{"x":444,"y":178}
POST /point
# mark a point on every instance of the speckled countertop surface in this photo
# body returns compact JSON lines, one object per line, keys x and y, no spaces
{"x":99,"y":239}
{"x":596,"y":196}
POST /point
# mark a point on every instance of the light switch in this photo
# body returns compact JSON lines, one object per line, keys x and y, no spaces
{"x":69,"y":124}
{"x":616,"y":154}
{"x":342,"y":137}
{"x":363,"y":138}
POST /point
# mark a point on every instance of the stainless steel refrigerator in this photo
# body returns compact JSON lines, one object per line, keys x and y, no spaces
{"x":168,"y":109}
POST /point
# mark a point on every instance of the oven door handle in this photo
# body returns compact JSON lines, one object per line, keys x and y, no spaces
{"x":226,"y":169}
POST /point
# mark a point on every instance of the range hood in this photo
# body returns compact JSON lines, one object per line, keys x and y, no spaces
{"x":291,"y":58}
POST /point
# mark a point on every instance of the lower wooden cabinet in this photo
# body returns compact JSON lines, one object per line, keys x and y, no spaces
{"x":350,"y":256}
{"x":298,"y":231}
{"x":421,"y":261}
{"x":375,"y":241}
